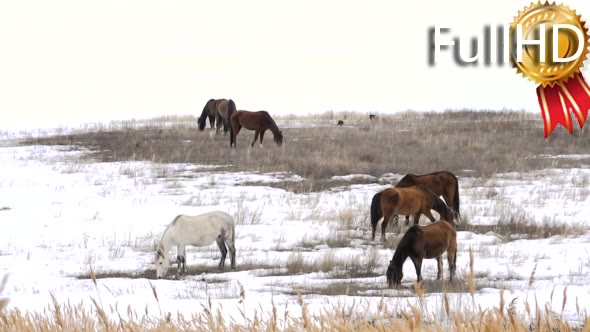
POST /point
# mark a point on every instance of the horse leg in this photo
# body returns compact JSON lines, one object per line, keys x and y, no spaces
{"x":417,"y":218}
{"x":408,"y":220}
{"x":452,"y":260}
{"x":232,"y":254}
{"x":181,"y":259}
{"x":418,"y":266}
{"x":384,"y":223}
{"x":440,"y":267}
{"x":212,"y":122}
{"x":178,"y":259}
{"x":430,"y":216}
{"x":236,"y":130}
{"x":219,"y":121}
{"x":261,"y":137}
{"x":222,"y":249}
{"x":256,"y":133}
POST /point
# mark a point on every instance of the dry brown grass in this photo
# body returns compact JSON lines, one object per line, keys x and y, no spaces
{"x":358,"y":316}
{"x":463,"y":142}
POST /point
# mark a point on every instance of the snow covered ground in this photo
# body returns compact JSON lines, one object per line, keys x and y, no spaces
{"x":60,"y":217}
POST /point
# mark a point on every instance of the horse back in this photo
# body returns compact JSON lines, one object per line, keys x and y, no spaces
{"x":202,"y":229}
{"x":253,"y":120}
{"x":439,"y":237}
{"x":404,"y":201}
{"x":436,"y":181}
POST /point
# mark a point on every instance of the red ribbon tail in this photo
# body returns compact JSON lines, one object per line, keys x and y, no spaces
{"x":554,"y":109}
{"x":577,"y":93}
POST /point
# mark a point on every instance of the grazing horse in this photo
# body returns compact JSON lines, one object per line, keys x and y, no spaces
{"x":223,"y":112}
{"x":208,"y":112}
{"x":372,"y":116}
{"x":441,"y":183}
{"x":414,"y":201}
{"x":340,"y":123}
{"x":420,"y":242}
{"x":197,"y":231}
{"x":258,"y":121}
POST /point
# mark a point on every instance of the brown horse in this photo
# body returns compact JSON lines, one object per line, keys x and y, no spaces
{"x":258,"y":121}
{"x":414,"y":201}
{"x":223,"y":111}
{"x":208,"y":112}
{"x":441,"y":183}
{"x":420,"y":242}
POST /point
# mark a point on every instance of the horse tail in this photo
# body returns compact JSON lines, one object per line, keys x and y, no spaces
{"x":376,"y":212}
{"x":456,"y":201}
{"x":231,"y":134}
{"x":231,"y":108}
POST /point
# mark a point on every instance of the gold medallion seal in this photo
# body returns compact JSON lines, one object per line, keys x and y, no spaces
{"x":548,"y":45}
{"x":544,"y":70}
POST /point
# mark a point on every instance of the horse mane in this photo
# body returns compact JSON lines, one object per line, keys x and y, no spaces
{"x":203,"y":118}
{"x":407,"y":240}
{"x":406,"y":181}
{"x":273,"y":125}
{"x":160,"y":246}
{"x":439,"y":204}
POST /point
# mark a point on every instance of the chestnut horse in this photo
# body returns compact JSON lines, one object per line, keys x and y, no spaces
{"x":441,"y":183}
{"x":420,"y":242}
{"x":414,"y":201}
{"x":208,"y":112}
{"x":258,"y":121}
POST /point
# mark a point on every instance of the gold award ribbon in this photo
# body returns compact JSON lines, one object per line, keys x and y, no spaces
{"x":549,"y":44}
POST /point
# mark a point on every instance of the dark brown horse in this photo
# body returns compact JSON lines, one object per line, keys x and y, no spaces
{"x":441,"y":183}
{"x":258,"y":121}
{"x":223,"y":112}
{"x":208,"y":113}
{"x":420,"y":242}
{"x":414,"y":201}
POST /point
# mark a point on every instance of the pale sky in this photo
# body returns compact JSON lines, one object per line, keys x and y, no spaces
{"x":79,"y":61}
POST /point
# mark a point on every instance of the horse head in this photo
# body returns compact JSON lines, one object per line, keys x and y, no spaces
{"x":279,"y":138}
{"x":201,"y":122}
{"x":162,"y":264}
{"x":394,"y":276}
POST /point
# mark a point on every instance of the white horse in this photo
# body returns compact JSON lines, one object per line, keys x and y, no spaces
{"x":197,"y":231}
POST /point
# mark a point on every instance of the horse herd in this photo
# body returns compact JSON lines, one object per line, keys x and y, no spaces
{"x":223,"y":111}
{"x":413,"y":195}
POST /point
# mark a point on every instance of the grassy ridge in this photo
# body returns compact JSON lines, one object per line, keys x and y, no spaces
{"x":477,"y":144}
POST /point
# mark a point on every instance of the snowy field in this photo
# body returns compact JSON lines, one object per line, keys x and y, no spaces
{"x":62,"y":218}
